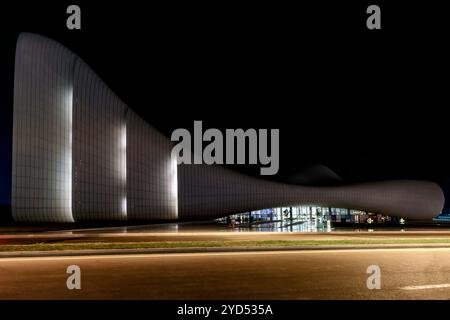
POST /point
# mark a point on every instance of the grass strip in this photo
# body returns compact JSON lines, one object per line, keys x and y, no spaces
{"x":213,"y":244}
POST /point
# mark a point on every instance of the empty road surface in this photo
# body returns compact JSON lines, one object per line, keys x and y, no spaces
{"x":331,"y":274}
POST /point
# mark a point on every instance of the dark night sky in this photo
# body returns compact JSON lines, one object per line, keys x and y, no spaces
{"x":368,"y":104}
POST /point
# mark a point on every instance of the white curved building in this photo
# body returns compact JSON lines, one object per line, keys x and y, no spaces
{"x":80,"y":154}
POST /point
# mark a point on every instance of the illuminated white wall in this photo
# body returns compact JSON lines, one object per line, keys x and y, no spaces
{"x":80,"y":154}
{"x":152,"y":188}
{"x":207,"y":192}
{"x":77,"y":154}
{"x":42,"y":131}
{"x":99,"y":149}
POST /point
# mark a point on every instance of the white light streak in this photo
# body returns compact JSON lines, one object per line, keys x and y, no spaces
{"x":67,"y":155}
{"x":124,"y":206}
{"x":429,"y":286}
{"x":123,"y":153}
{"x":173,"y":180}
{"x":123,"y":166}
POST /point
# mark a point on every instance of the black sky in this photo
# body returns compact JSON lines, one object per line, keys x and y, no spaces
{"x":368,"y":104}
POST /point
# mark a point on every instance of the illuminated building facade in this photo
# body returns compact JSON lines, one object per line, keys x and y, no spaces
{"x":81,"y":154}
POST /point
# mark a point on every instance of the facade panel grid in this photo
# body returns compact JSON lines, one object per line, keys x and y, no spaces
{"x":208,"y":191}
{"x":42,"y":188}
{"x":151,"y":172}
{"x":99,"y":120}
{"x":80,"y":153}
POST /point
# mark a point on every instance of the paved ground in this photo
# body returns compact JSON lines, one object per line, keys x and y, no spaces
{"x":334,"y":274}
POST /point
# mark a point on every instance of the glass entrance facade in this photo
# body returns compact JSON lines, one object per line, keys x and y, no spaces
{"x":304,"y":218}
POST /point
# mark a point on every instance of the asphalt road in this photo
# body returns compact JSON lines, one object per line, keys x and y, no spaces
{"x":333,"y":274}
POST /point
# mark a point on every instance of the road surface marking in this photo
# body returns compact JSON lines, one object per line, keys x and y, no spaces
{"x":429,"y":286}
